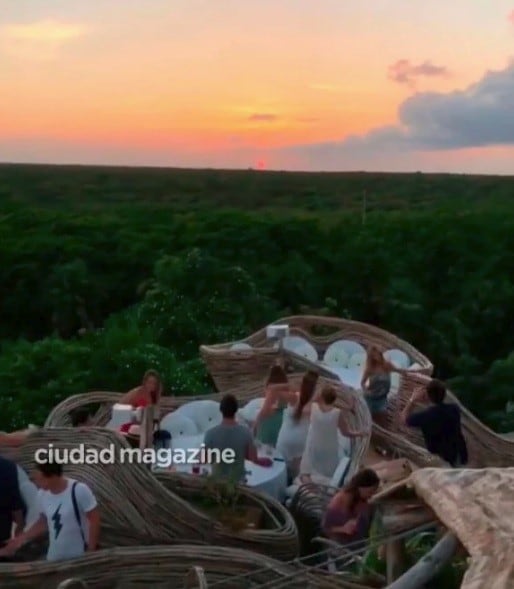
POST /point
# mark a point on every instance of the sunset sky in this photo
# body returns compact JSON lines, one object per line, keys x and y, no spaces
{"x":281,"y":84}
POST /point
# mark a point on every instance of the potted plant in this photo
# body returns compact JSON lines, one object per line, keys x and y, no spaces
{"x":230,"y":507}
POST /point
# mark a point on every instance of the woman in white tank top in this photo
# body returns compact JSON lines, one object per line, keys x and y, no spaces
{"x":295,"y":423}
{"x":321,"y":456}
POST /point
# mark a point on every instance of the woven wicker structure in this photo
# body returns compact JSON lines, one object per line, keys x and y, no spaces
{"x":163,"y":567}
{"x":137,"y":509}
{"x":60,"y":416}
{"x":485,"y":447}
{"x":358,"y":419}
{"x":230,"y":367}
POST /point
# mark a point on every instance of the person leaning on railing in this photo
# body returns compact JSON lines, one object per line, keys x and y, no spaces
{"x":440,"y":423}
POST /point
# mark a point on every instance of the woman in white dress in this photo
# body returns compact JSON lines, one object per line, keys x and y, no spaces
{"x":321,"y":456}
{"x":295,"y":423}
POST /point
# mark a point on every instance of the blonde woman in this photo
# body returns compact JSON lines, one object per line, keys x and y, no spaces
{"x":149,"y":392}
{"x":376,"y":383}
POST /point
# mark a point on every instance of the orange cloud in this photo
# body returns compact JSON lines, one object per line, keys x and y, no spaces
{"x":405,"y":72}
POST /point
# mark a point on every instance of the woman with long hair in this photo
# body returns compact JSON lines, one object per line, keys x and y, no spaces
{"x":149,"y":392}
{"x":277,"y":395}
{"x":348,"y":516}
{"x":376,"y":383}
{"x":295,"y":423}
{"x":327,"y":422}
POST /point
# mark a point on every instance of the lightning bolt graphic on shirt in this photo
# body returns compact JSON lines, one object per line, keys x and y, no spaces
{"x":56,"y":518}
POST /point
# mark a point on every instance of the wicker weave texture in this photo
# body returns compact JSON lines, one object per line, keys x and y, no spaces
{"x":137,"y":509}
{"x":229,"y":367}
{"x":163,"y":567}
{"x":485,"y":447}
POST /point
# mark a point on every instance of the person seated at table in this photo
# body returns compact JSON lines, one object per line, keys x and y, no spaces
{"x":440,"y":423}
{"x":348,"y":516}
{"x":376,"y":384}
{"x":231,"y":435}
{"x":295,"y":423}
{"x":277,"y":395}
{"x":149,"y":392}
{"x":321,"y":455}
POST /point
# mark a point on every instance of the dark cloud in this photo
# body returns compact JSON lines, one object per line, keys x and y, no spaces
{"x":263,"y":117}
{"x":477,"y":116}
{"x":404,"y":72}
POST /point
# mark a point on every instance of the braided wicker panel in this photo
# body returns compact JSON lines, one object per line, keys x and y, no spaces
{"x":229,"y":367}
{"x":164,"y":567}
{"x":137,"y":509}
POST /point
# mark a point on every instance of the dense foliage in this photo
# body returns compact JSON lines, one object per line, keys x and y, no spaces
{"x":105,"y":273}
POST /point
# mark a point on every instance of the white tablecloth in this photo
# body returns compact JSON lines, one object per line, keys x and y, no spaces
{"x":271,"y":480}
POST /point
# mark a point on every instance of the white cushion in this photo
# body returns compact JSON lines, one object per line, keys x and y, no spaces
{"x":240,"y":347}
{"x":338,"y":478}
{"x":29,"y":493}
{"x":350,"y":347}
{"x":120,"y":414}
{"x":178,"y":425}
{"x":250,"y":411}
{"x":357,"y":360}
{"x":397,"y":357}
{"x":336,"y":355}
{"x":349,"y":376}
{"x":206,"y":414}
{"x":299,"y":345}
{"x":415,"y":366}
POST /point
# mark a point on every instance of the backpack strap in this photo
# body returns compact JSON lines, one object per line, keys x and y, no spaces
{"x":77,"y":513}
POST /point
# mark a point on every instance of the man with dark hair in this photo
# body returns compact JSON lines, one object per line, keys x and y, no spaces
{"x":231,"y":435}
{"x":440,"y":423}
{"x":68,"y":513}
{"x":11,"y":502}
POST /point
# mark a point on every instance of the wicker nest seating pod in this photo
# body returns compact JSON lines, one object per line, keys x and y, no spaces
{"x":337,"y":343}
{"x":137,"y":509}
{"x":60,"y":416}
{"x":163,"y":567}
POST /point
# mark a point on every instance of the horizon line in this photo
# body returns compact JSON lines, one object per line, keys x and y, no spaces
{"x":246,"y":169}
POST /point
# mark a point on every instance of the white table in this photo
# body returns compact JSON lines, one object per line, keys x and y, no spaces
{"x":271,"y":480}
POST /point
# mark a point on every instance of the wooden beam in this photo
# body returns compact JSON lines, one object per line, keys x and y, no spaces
{"x":146,"y":429}
{"x":429,"y":566}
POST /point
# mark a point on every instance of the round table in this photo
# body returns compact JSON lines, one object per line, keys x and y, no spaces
{"x":271,"y":480}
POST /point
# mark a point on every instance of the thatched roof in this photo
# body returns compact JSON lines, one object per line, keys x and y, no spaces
{"x":478,"y":507}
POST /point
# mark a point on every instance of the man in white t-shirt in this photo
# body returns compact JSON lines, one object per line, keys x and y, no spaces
{"x":68,"y":513}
